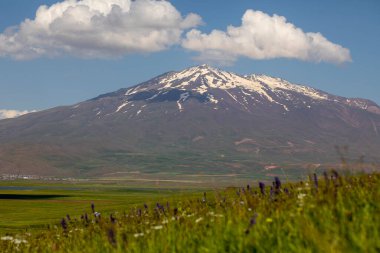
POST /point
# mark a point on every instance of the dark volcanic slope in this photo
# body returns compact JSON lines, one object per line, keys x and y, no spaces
{"x":199,"y":119}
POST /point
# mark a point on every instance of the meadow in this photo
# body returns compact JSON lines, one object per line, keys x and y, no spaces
{"x":324,"y":213}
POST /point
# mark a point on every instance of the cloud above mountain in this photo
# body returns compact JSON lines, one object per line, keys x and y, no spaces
{"x":8,"y":114}
{"x":116,"y":28}
{"x":262,"y":36}
{"x":97,"y":29}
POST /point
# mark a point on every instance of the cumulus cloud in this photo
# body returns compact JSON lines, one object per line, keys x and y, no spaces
{"x":8,"y":114}
{"x":262,"y":36}
{"x":97,"y":29}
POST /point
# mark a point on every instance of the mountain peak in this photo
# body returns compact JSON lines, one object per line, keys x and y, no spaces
{"x":209,"y":84}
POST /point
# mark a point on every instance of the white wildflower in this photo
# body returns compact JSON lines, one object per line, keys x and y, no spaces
{"x":7,"y":238}
{"x":301,"y":196}
{"x":138,"y":235}
{"x":158,"y":227}
{"x":199,"y":220}
{"x":19,"y":241}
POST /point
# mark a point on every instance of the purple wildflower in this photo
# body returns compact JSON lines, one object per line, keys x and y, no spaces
{"x":262,"y":188}
{"x":111,"y":234}
{"x":277,"y":183}
{"x":315,"y":179}
{"x":252,"y":222}
{"x":112,"y":219}
{"x":64,"y":224}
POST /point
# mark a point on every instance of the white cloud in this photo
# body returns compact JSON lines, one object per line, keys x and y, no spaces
{"x":8,"y":114}
{"x":262,"y":36}
{"x":97,"y":29}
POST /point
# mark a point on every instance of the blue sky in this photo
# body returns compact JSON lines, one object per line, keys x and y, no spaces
{"x":54,"y":77}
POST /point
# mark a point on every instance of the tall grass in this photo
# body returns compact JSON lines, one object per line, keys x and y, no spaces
{"x":329,"y":214}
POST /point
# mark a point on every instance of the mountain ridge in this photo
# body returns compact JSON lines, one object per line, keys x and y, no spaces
{"x":197,"y":120}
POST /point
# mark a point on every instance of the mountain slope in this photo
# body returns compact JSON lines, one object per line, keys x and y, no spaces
{"x":200,"y":119}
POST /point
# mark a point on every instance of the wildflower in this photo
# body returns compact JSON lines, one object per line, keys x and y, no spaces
{"x":111,"y":234}
{"x":286,"y":190}
{"x":93,"y":207}
{"x":269,"y":220}
{"x":68,"y":217}
{"x":204,"y":198}
{"x":139,"y":212}
{"x":175,"y":211}
{"x":262,"y":188}
{"x":19,"y":241}
{"x":7,"y":238}
{"x":96,"y":214}
{"x":241,"y":202}
{"x":252,"y":222}
{"x":301,"y":196}
{"x":112,"y":219}
{"x":199,"y":220}
{"x":315,"y":181}
{"x":158,"y":227}
{"x":271,"y":192}
{"x":249,"y":209}
{"x":86,"y":217}
{"x":145,"y":206}
{"x":160,"y":207}
{"x":277,"y":183}
{"x":138,"y":235}
{"x":165,"y":221}
{"x":63,"y":224}
{"x":248,"y":187}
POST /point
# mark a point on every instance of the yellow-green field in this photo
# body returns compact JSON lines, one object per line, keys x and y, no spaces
{"x":331,"y":213}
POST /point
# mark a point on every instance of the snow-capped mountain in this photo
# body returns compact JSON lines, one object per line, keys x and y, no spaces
{"x":197,"y":119}
{"x":214,"y":87}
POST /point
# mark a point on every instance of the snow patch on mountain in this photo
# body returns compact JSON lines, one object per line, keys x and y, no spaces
{"x":245,"y":90}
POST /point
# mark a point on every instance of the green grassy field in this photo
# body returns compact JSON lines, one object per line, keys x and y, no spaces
{"x":26,"y":204}
{"x":332,"y":214}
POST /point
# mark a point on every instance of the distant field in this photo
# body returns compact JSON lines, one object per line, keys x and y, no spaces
{"x":27,"y":204}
